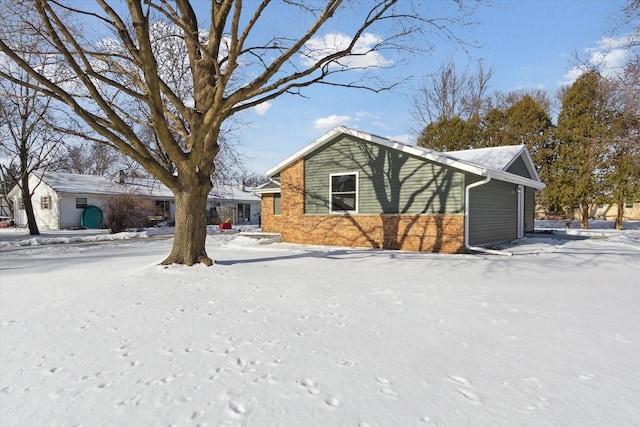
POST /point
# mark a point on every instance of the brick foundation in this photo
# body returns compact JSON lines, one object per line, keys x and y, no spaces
{"x":421,"y":233}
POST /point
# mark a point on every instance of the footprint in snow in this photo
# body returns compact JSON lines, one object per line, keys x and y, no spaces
{"x":466,"y":392}
{"x":469,"y":395}
{"x":237,"y":407}
{"x":460,"y":380}
{"x":310,"y":385}
{"x":332,"y":401}
{"x":307,"y":382}
{"x":389,"y":392}
{"x":622,"y":339}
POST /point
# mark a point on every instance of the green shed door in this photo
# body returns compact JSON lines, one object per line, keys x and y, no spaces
{"x":91,"y":217}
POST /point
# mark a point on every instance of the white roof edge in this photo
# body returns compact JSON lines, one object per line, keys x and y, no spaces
{"x":529,"y":164}
{"x":515,"y":179}
{"x":262,"y":190}
{"x":258,"y":191}
{"x":419,"y":152}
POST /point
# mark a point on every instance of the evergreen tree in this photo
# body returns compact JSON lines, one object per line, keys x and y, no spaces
{"x":623,"y":178}
{"x":493,"y":126}
{"x":528,"y":123}
{"x":622,"y":181}
{"x":583,"y":133}
{"x":449,"y":134}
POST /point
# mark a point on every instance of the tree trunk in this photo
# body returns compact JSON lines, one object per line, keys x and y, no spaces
{"x":585,"y":215}
{"x":191,"y":226}
{"x":619,"y":216}
{"x":25,"y":193}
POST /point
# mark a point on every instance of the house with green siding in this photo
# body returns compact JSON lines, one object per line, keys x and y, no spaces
{"x":351,"y":188}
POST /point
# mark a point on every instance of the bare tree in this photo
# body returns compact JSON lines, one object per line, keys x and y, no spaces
{"x":451,"y":93}
{"x":506,"y":100}
{"x":118,"y":86}
{"x":28,"y":141}
{"x":89,"y":159}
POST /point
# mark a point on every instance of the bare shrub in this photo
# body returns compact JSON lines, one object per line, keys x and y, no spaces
{"x":127,"y":211}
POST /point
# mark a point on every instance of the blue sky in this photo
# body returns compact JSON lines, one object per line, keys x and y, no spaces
{"x":528,"y":43}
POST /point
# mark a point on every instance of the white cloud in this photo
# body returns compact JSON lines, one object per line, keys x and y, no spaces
{"x":382,"y":125}
{"x":608,"y":56}
{"x":405,"y":138}
{"x":330,"y":121}
{"x":363,"y":54}
{"x":261,"y":109}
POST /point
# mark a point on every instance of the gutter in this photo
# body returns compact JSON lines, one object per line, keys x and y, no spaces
{"x":466,"y":221}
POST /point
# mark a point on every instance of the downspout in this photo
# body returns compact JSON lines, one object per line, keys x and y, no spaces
{"x":467,"y":197}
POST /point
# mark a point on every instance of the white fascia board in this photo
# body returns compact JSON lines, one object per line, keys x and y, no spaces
{"x":515,"y":179}
{"x":267,"y":188}
{"x":259,"y":191}
{"x":530,"y":165}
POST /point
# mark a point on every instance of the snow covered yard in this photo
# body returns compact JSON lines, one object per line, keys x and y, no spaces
{"x":284,"y":335}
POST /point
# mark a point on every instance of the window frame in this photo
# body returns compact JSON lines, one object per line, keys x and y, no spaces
{"x":45,"y":202}
{"x":277,"y":203}
{"x":86,"y":202}
{"x":356,"y":193}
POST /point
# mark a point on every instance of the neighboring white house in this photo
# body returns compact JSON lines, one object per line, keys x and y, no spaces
{"x":59,"y":199}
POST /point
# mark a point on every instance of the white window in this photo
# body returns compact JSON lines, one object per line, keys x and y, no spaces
{"x":81,"y":202}
{"x":344,"y":192}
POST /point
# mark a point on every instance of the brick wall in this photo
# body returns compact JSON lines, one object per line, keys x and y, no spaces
{"x":423,"y":233}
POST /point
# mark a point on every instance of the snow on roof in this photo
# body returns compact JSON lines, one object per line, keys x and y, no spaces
{"x":72,"y":183}
{"x":496,"y":158}
{"x":231,"y":192}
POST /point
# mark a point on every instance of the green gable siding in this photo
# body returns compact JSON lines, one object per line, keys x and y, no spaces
{"x":389,"y":181}
{"x":493,"y":213}
{"x":518,"y":168}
